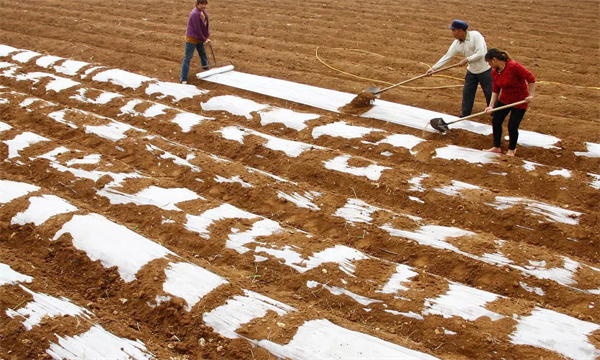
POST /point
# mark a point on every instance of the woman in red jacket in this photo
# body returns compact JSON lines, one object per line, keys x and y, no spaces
{"x":514,"y":83}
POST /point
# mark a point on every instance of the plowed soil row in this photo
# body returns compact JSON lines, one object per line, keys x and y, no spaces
{"x":279,"y":39}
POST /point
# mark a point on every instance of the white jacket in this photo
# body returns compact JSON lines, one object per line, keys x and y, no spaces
{"x":473,"y":48}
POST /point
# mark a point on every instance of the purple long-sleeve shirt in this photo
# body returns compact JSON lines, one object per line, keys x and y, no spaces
{"x":196,"y":27}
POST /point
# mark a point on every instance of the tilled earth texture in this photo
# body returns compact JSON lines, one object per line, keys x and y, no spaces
{"x":146,"y":219}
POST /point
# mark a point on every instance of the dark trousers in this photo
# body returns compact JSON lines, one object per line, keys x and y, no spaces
{"x":187,"y":57}
{"x":470,"y":89}
{"x":516,"y":116}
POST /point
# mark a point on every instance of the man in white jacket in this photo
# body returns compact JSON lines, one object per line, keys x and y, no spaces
{"x":471,"y":45}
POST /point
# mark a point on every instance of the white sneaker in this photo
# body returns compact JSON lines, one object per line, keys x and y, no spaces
{"x":184,"y":82}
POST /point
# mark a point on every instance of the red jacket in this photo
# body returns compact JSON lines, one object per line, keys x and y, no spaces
{"x":513,"y":81}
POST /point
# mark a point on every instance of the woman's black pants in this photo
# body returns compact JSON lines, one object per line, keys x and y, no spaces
{"x":516,"y":116}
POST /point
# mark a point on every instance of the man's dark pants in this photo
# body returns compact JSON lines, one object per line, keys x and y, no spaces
{"x":470,"y":89}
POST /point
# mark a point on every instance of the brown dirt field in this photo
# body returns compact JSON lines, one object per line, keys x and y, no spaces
{"x":384,"y":41}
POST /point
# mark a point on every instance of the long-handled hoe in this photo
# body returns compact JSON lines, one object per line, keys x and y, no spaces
{"x":216,"y":67}
{"x":363,"y":101}
{"x":440,"y":125}
{"x":215,"y":62}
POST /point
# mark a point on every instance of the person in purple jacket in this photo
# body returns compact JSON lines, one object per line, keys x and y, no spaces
{"x":196,"y":36}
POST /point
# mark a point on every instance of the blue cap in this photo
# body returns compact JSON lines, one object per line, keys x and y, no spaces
{"x":458,"y":24}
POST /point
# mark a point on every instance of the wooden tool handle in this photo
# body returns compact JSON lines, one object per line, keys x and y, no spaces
{"x":491,"y":111}
{"x":415,"y":78}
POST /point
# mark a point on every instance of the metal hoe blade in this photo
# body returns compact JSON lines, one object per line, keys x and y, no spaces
{"x":373,"y":90}
{"x":440,"y":125}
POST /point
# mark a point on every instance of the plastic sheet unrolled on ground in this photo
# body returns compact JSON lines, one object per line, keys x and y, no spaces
{"x":214,"y":71}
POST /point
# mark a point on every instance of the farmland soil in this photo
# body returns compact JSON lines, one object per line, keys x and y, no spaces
{"x":380,"y":42}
